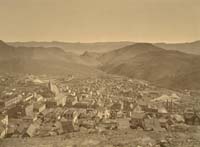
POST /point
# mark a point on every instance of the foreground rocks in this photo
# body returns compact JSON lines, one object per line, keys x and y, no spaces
{"x":120,"y":138}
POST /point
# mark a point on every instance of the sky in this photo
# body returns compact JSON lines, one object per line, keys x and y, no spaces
{"x":100,"y":20}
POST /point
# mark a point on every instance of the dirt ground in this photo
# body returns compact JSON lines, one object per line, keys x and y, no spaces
{"x":119,"y":138}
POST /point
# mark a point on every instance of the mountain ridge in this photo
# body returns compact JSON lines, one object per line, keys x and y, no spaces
{"x":154,"y":64}
{"x":41,"y":60}
{"x":80,"y":48}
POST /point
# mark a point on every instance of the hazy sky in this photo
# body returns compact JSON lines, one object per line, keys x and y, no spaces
{"x":100,"y":20}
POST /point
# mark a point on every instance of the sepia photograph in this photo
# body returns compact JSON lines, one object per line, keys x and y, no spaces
{"x":100,"y":73}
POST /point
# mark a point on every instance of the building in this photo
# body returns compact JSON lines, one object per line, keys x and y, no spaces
{"x":137,"y":120}
{"x":39,"y":107}
{"x":69,"y":126}
{"x":103,"y":113}
{"x":53,"y":88}
{"x":152,"y":124}
{"x":28,"y":97}
{"x":21,"y":110}
{"x":3,"y":125}
{"x":51,"y":103}
{"x":118,"y":106}
{"x":192,"y":118}
{"x":60,"y":100}
{"x":71,"y":115}
{"x":9,"y":101}
{"x":108,"y":124}
{"x":82,"y":104}
{"x":31,"y":131}
{"x":38,"y":97}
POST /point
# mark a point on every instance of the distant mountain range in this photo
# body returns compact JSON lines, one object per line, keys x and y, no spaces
{"x":80,"y":48}
{"x":166,"y":68}
{"x":41,"y":60}
{"x":91,"y":58}
{"x":191,"y":48}
{"x":175,"y":66}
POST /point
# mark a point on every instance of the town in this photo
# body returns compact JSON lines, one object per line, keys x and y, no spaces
{"x":39,"y":106}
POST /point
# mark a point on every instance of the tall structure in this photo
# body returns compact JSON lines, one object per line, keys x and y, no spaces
{"x":53,"y":88}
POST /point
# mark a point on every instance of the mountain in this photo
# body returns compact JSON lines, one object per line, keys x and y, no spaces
{"x":41,"y":60}
{"x":165,"y":65}
{"x":91,"y":58}
{"x":191,"y":48}
{"x":78,"y":48}
{"x":101,"y":47}
{"x":165,"y":68}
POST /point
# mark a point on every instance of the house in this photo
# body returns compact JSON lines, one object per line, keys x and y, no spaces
{"x":39,"y":107}
{"x":177,"y":118}
{"x":28,"y":97}
{"x":17,"y":127}
{"x":4,"y":119}
{"x":152,"y":124}
{"x":69,"y":126}
{"x":103,"y":113}
{"x":3,"y":125}
{"x":20,"y":128}
{"x":121,"y":114}
{"x":162,"y":111}
{"x":51,"y":103}
{"x":60,"y":100}
{"x":31,"y":131}
{"x":38,"y":97}
{"x":3,"y":131}
{"x":27,"y":109}
{"x":113,"y":114}
{"x":21,"y":110}
{"x":143,"y":104}
{"x":123,"y":123}
{"x":82,"y":104}
{"x":88,"y":124}
{"x":108,"y":124}
{"x":164,"y":123}
{"x":71,"y":115}
{"x":70,"y":100}
{"x":137,"y":120}
{"x":151,"y":109}
{"x":57,"y":127}
{"x":9,"y":101}
{"x":137,"y":109}
{"x":128,"y":108}
{"x":192,"y":118}
{"x":117,"y":106}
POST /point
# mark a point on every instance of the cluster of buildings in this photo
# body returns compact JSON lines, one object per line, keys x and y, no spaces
{"x":91,"y":105}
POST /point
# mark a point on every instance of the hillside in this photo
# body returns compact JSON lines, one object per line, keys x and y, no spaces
{"x":171,"y":69}
{"x":91,"y":58}
{"x":166,"y":68}
{"x":78,"y":48}
{"x":40,"y":60}
{"x":191,"y":48}
{"x":101,"y":47}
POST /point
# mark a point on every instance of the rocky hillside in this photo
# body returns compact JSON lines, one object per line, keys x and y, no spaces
{"x":78,"y":48}
{"x":41,"y":60}
{"x":191,"y":48}
{"x":166,"y":68}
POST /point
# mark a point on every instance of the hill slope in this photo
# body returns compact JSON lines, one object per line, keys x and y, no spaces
{"x":91,"y":58}
{"x":191,"y":48}
{"x":171,"y":69}
{"x":79,"y":48}
{"x":100,"y":47}
{"x":40,"y":61}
